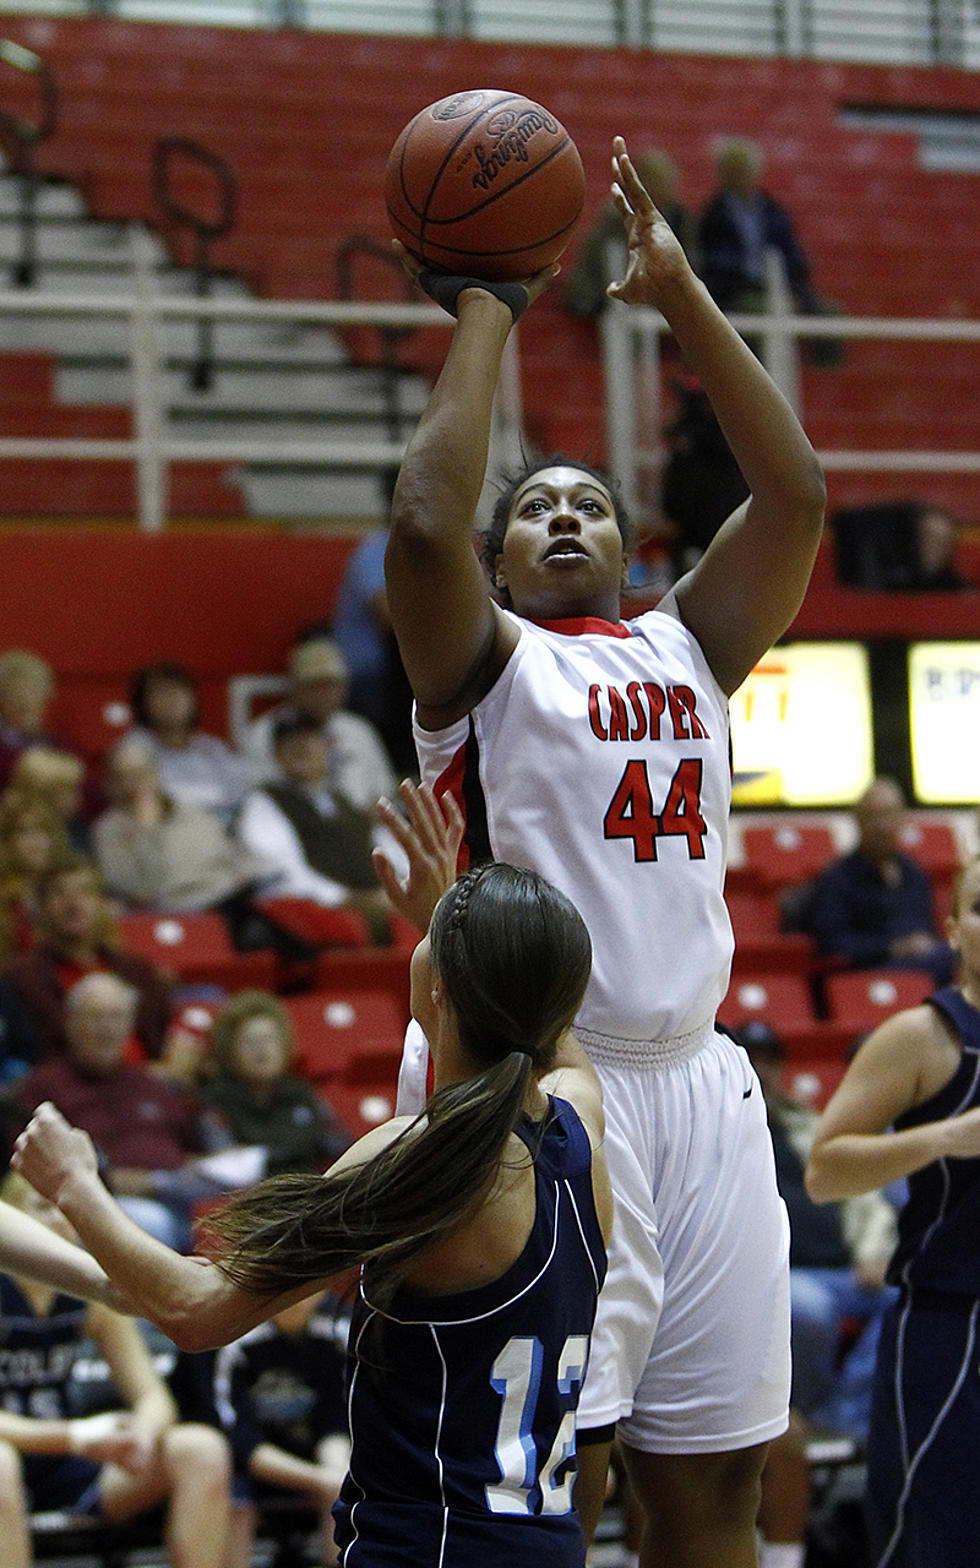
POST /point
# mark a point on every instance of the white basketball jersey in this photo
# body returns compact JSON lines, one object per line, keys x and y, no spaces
{"x":600,"y":758}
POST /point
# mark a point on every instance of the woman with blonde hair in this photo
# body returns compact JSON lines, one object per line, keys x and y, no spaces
{"x":32,"y":837}
{"x":61,"y":778}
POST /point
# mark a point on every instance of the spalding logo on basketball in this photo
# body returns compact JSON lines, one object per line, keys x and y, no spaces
{"x":485,"y":183}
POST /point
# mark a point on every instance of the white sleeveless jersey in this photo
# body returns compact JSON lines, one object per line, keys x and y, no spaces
{"x":600,"y":759}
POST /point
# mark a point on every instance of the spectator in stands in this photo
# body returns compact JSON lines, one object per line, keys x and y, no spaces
{"x":20,"y":1047}
{"x":739,"y":224}
{"x":585,"y":292}
{"x":838,"y":1257}
{"x":32,"y":835}
{"x":26,"y":689}
{"x":279,"y":1393}
{"x":702,"y":483}
{"x":163,"y":854}
{"x":77,"y":936}
{"x":61,"y":778}
{"x":317,"y":688}
{"x":935,"y":564}
{"x":149,"y":1132}
{"x":904,"y":546}
{"x":195,"y":768}
{"x":254,"y":1092}
{"x":117,"y":1463}
{"x":874,"y":906}
{"x":361,"y":627}
{"x":311,"y":842}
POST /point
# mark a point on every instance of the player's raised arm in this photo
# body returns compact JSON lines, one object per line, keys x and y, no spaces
{"x":452,"y":639}
{"x":749,"y":584}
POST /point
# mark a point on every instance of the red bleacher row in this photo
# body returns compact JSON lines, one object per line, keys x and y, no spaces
{"x":819,"y":1010}
{"x":306,"y":120}
{"x":350,"y":1024}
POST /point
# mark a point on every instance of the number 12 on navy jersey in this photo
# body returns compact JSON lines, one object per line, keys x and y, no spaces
{"x":516,"y":1375}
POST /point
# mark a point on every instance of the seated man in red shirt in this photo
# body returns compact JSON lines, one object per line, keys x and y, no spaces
{"x":75,"y":938}
{"x":148,"y":1131}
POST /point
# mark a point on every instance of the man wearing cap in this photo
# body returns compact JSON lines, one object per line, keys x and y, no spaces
{"x":358,"y":765}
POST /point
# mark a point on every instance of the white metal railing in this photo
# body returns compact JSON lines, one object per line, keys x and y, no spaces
{"x":634,"y":419}
{"x":892,"y":32}
{"x":631,"y":353}
{"x":152,"y":448}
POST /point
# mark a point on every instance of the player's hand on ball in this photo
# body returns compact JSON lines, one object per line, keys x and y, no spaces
{"x":656,"y":258}
{"x":446,"y":287}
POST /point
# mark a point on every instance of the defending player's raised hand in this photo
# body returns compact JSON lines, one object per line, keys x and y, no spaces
{"x":656,"y":257}
{"x":430,"y":832}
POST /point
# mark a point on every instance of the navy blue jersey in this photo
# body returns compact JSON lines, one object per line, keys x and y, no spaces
{"x":939,"y":1224}
{"x":38,"y":1353}
{"x":462,"y":1408}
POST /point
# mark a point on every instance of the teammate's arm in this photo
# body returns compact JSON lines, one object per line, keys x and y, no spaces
{"x":855,"y":1149}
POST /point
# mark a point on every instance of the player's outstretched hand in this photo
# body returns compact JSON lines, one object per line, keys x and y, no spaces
{"x":430,"y":832}
{"x":656,"y":257}
{"x":50,"y":1149}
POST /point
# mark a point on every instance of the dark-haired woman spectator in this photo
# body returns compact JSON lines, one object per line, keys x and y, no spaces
{"x":31,"y":836}
{"x":195,"y":768}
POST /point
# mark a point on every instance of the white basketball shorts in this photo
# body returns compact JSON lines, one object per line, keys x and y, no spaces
{"x":690,"y":1352}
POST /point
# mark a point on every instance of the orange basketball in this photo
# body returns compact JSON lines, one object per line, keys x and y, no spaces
{"x":487,"y":184}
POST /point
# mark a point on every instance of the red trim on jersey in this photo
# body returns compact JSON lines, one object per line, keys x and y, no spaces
{"x":451,"y":780}
{"x":578,"y":625}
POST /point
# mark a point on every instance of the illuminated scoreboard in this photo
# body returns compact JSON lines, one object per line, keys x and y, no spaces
{"x":944,"y":721}
{"x":802,"y":732}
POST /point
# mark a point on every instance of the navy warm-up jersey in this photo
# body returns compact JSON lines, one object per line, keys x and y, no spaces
{"x":462,"y":1408}
{"x":38,"y":1353}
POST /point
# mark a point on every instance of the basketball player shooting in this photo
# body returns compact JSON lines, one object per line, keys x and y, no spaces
{"x":596,"y":752}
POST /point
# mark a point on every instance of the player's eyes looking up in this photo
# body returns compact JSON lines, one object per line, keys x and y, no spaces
{"x":535,"y":505}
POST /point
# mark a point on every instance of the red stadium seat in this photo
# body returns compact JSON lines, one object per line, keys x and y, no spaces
{"x":760,"y":945}
{"x":784,"y":1002}
{"x":780,"y":854}
{"x":361,"y":1106}
{"x":933,"y":845}
{"x":313,"y":923}
{"x":860,"y":999}
{"x":196,"y":949}
{"x":341,"y":970}
{"x":354,"y":1036}
{"x":813,"y":1081}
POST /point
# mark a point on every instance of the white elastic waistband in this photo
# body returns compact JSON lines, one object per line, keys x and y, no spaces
{"x":646,"y":1053}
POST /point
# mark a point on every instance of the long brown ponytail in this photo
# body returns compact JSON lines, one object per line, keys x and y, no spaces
{"x":515,"y":957}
